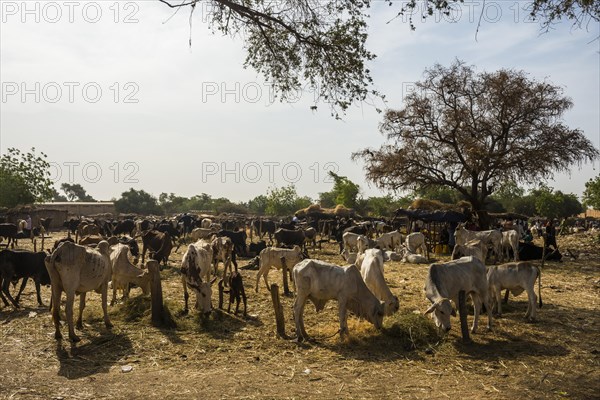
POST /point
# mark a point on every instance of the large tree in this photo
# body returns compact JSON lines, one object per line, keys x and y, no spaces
{"x":24,"y":178}
{"x":591,"y":195}
{"x":75,"y":192}
{"x":474,"y":131}
{"x":137,"y":201}
{"x":294,"y":43}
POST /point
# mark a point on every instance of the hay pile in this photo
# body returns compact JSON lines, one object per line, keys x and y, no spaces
{"x":435,"y":205}
{"x":338,"y":211}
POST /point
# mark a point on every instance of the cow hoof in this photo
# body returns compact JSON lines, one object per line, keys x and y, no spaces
{"x":79,"y":325}
{"x":57,"y":336}
{"x":75,"y":339}
{"x":109,"y":325}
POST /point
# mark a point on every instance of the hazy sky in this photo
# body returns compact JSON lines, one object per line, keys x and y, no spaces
{"x":115,"y":96}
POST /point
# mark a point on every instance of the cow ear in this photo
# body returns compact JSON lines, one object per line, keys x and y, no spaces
{"x":430,"y":309}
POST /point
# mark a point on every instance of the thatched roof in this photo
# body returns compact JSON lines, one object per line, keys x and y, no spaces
{"x":508,"y":215}
{"x":433,"y":205}
{"x":315,"y":210}
{"x":432,"y":216}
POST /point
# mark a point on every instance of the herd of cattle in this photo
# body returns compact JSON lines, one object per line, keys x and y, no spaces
{"x":106,"y":251}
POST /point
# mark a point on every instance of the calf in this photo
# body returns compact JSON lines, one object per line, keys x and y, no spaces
{"x":416,"y":241}
{"x":320,"y":282}
{"x":236,"y":291}
{"x":353,"y":241}
{"x":390,"y":241}
{"x":475,"y":248}
{"x":371,"y":270}
{"x":510,"y":241}
{"x":21,"y":264}
{"x":202,"y":233}
{"x":77,"y":269}
{"x":446,"y":280}
{"x":9,"y":231}
{"x":491,"y":238}
{"x":124,"y":273}
{"x":271,"y":257}
{"x":238,"y":238}
{"x":516,"y":277}
{"x":222,"y":249}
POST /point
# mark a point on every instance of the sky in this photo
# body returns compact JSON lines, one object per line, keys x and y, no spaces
{"x":115,"y":96}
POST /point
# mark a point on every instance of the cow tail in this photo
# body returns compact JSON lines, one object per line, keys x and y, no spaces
{"x":540,"y":286}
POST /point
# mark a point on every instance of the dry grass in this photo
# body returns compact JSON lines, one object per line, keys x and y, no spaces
{"x":226,"y":356}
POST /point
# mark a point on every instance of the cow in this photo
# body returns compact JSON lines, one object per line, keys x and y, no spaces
{"x":222,"y":250}
{"x":202,"y":233}
{"x":205,"y":223}
{"x":444,"y":282}
{"x":351,"y":257}
{"x":87,"y":229}
{"x":71,"y":225}
{"x":529,"y":251}
{"x":21,"y":264}
{"x":353,"y":241}
{"x":413,"y":258}
{"x":491,"y":238}
{"x":371,"y":270}
{"x":510,"y":240}
{"x":195,"y":265}
{"x":124,"y":272}
{"x":77,"y":269}
{"x":159,"y":244}
{"x":262,"y":226}
{"x":475,"y":248}
{"x":271,"y":257}
{"x":416,"y":241}
{"x":289,"y":237}
{"x":319,"y":282}
{"x":58,"y":242}
{"x":238,"y":238}
{"x":310,"y":236}
{"x":389,"y":241}
{"x":9,"y":231}
{"x":126,"y":226}
{"x":236,"y":291}
{"x":90,"y":240}
{"x":254,"y":249}
{"x":167,"y":227}
{"x":516,"y":277}
{"x":378,"y":227}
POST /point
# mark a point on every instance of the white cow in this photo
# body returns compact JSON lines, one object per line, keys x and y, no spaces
{"x":510,"y":240}
{"x":320,"y":282}
{"x":222,"y":248}
{"x":379,"y":226}
{"x":446,"y":280}
{"x":491,"y":238}
{"x":356,"y":242}
{"x":516,"y":277}
{"x":475,"y":248}
{"x":76,"y":269}
{"x":195,"y":265}
{"x":271,"y":257}
{"x":371,"y":270}
{"x":416,"y":241}
{"x":390,"y":241}
{"x":124,"y":272}
{"x":202,"y":233}
{"x":205,"y":223}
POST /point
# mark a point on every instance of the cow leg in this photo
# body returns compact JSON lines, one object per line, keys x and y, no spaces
{"x":531,"y":306}
{"x":5,"y":290}
{"x":114,"y":292}
{"x":69,"y":311}
{"x":243,"y":294}
{"x":23,"y":284}
{"x":488,"y":304}
{"x":343,"y":315}
{"x":498,"y":296}
{"x":186,"y":295}
{"x":477,"y":306}
{"x":81,"y":307}
{"x":505,"y":301}
{"x":104,"y":295}
{"x":37,"y":292}
{"x":299,"y":304}
{"x":55,"y":308}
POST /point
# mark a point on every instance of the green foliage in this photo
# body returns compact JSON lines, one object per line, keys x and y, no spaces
{"x":508,"y":194}
{"x":551,"y":204}
{"x":384,"y":206}
{"x":24,"y":178}
{"x":525,"y":205}
{"x":440,"y":193}
{"x":344,"y":192}
{"x":75,"y":192}
{"x":139,"y":202}
{"x":258,"y":205}
{"x":591,"y":194}
{"x":57,"y":197}
{"x":285,"y":201}
{"x":327,"y":199}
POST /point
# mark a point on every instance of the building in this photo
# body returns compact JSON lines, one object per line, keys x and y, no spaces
{"x":77,"y":208}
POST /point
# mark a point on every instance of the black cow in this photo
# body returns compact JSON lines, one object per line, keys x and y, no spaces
{"x":9,"y":231}
{"x":72,"y":225}
{"x":529,"y":251}
{"x":239,"y":241}
{"x":126,"y":226}
{"x":358,"y":229}
{"x":289,"y":238}
{"x":58,"y":242}
{"x":265,"y":226}
{"x":168,"y":227}
{"x":255,"y":248}
{"x":21,"y":264}
{"x":159,"y":244}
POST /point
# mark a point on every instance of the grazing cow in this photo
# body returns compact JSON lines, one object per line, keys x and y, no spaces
{"x":371,"y":270}
{"x":126,"y":226}
{"x":510,"y":240}
{"x":239,"y":240}
{"x":446,"y":280}
{"x":516,"y":277}
{"x":490,"y":238}
{"x":353,"y":241}
{"x":271,"y":257}
{"x":222,"y":248}
{"x":77,"y":269}
{"x":289,"y":237}
{"x":475,"y":248}
{"x":21,"y":264}
{"x":320,"y":282}
{"x":193,"y":267}
{"x":159,"y":244}
{"x":254,"y":249}
{"x":416,"y":241}
{"x":236,"y":291}
{"x":125,"y":273}
{"x":9,"y":231}
{"x":389,"y":241}
{"x":202,"y":233}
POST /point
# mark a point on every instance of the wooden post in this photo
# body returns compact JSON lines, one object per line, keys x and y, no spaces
{"x":35,"y":246}
{"x":155,"y":291}
{"x":462,"y":310}
{"x":284,"y":268}
{"x":279,"y":320}
{"x":220,"y":285}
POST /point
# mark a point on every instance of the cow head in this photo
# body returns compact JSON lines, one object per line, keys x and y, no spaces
{"x":376,"y":315}
{"x":204,"y":296}
{"x":441,"y":311}
{"x":392,"y":305}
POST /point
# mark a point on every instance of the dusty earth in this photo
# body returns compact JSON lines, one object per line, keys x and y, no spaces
{"x":227,"y":356}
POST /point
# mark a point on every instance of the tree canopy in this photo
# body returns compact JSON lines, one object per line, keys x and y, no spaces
{"x":474,"y":131}
{"x":75,"y":192}
{"x":24,"y":178}
{"x":137,"y":201}
{"x":591,"y":195}
{"x":322,"y":44}
{"x":285,"y":201}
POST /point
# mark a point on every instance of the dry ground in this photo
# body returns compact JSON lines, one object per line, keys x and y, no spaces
{"x":231,"y":357}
